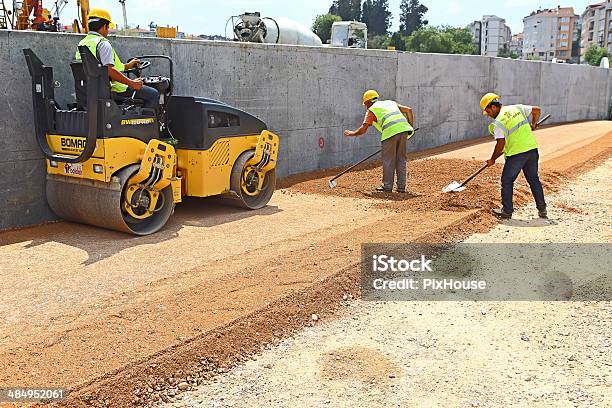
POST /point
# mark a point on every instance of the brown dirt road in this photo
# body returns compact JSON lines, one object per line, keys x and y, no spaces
{"x":105,"y":314}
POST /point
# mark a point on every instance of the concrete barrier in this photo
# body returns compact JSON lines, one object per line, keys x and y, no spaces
{"x":307,"y":95}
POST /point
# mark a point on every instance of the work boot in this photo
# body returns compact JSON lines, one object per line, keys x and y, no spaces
{"x":382,"y":189}
{"x":543,"y":213}
{"x":499,"y":212}
{"x":402,"y":190}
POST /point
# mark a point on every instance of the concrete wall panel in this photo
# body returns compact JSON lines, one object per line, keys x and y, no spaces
{"x":587,"y":98}
{"x":444,"y":91}
{"x":555,"y":91}
{"x":516,"y":81}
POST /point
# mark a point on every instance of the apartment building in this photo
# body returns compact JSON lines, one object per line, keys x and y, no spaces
{"x":549,"y":34}
{"x":516,"y":44}
{"x":491,"y":35}
{"x":596,"y":27}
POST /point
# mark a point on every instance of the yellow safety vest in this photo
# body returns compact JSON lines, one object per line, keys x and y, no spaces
{"x":389,"y":120}
{"x":92,"y":41}
{"x":517,"y":130}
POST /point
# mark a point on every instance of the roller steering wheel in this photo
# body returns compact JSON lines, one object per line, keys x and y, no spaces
{"x":137,"y":70}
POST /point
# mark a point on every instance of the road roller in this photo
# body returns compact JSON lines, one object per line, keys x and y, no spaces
{"x":114,"y":164}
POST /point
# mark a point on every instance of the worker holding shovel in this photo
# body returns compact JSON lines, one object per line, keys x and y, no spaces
{"x":395,"y":128}
{"x":514,"y":135}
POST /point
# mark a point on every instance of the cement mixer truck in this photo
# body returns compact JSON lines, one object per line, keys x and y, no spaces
{"x":251,"y":27}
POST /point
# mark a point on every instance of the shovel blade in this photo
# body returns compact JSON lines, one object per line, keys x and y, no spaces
{"x":332,"y":184}
{"x":453,"y":187}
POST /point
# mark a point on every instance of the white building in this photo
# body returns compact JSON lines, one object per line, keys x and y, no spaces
{"x":596,"y":27}
{"x":549,"y":33}
{"x":491,"y":35}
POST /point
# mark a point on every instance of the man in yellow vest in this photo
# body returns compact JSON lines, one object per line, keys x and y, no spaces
{"x":514,"y":136}
{"x":101,"y":48}
{"x":394,"y":122}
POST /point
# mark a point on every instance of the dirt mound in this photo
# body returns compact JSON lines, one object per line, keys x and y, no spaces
{"x":426,"y":179}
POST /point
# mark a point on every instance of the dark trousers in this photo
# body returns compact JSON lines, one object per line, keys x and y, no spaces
{"x":149,"y":95}
{"x":394,"y":161}
{"x":528,"y":163}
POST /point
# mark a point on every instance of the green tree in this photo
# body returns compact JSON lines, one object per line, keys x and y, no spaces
{"x":398,"y":40}
{"x":376,"y":14}
{"x":506,"y":53}
{"x":462,"y":40}
{"x":411,"y":16}
{"x":443,"y":40}
{"x":575,"y":56}
{"x":429,"y":39}
{"x":378,"y":42}
{"x":356,"y":10}
{"x":323,"y":24}
{"x":349,"y":10}
{"x":595,"y":54}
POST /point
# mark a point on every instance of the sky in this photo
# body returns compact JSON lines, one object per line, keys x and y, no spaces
{"x":210,"y":16}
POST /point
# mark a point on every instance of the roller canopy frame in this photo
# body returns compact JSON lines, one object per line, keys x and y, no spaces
{"x":43,"y":97}
{"x":170,"y":61}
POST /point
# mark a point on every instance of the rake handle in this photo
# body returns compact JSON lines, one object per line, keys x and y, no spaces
{"x":355,"y":165}
{"x":361,"y":162}
{"x":544,"y":119}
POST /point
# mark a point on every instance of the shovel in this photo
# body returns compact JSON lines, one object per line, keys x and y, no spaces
{"x":456,"y":187}
{"x":333,"y":183}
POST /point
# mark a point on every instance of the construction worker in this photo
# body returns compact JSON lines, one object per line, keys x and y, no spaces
{"x":514,"y":136}
{"x":121,"y":85}
{"x":394,"y":122}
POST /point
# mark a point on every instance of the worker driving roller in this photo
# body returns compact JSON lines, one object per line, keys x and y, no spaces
{"x":515,"y":139}
{"x":395,"y":123}
{"x":100,"y":46}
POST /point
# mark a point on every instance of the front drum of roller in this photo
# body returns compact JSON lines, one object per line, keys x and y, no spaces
{"x":101,"y":204}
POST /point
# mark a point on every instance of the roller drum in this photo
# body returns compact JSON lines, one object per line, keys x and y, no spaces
{"x":100,"y":204}
{"x":238,"y":197}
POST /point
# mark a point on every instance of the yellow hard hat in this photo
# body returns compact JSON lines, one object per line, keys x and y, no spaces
{"x":487,"y":99}
{"x":369,"y":95}
{"x":98,"y":13}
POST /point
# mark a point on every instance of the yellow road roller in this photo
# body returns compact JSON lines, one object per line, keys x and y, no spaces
{"x":114,"y":164}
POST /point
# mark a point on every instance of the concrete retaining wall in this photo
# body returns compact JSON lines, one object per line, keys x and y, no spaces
{"x":304,"y":94}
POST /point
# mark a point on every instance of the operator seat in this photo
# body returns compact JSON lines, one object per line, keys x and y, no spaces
{"x":80,"y":90}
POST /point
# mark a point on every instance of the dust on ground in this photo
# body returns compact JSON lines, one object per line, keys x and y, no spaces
{"x":451,"y":354}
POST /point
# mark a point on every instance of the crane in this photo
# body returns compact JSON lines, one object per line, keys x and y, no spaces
{"x":59,"y":7}
{"x":124,"y":15}
{"x":23,"y":10}
{"x":19,"y":17}
{"x":83,"y":6}
{"x":6,"y":20}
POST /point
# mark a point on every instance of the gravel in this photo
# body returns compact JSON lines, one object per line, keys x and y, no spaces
{"x":457,"y":354}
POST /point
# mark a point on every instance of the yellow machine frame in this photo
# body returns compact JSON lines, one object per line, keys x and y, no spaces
{"x":198,"y":173}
